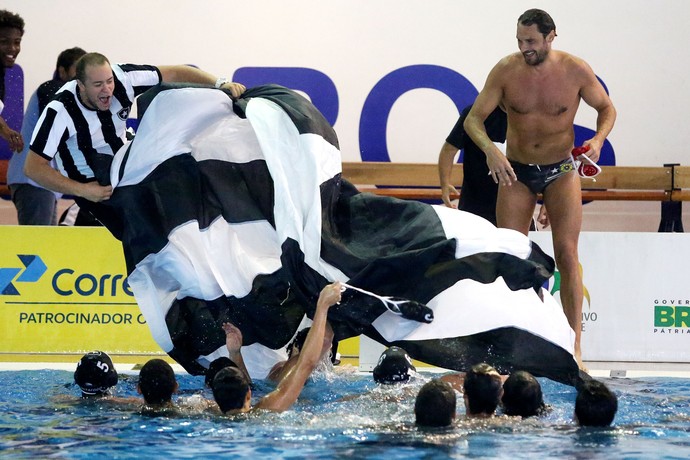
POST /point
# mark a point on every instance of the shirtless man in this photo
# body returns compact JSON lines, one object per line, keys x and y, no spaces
{"x":540,"y":90}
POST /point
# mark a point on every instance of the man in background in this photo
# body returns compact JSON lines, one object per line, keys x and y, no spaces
{"x":11,"y":33}
{"x":35,"y":204}
{"x":84,"y":126}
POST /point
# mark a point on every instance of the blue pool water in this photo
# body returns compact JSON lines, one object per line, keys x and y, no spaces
{"x":41,"y":417}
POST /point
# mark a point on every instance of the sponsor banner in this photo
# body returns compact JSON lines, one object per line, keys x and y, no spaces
{"x":636,"y":295}
{"x":64,"y":290}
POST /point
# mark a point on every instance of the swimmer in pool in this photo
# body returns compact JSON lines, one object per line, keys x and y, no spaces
{"x":282,"y":368}
{"x":481,"y":387}
{"x":157,"y":384}
{"x":522,"y":395}
{"x":231,"y":386}
{"x":97,"y":378}
{"x":435,"y":404}
{"x":595,"y":404}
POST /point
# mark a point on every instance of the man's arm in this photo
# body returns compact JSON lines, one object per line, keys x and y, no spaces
{"x":39,"y":169}
{"x":487,"y":100}
{"x":291,"y":385}
{"x":594,"y":94}
{"x":189,"y":74}
{"x":13,"y":138}
{"x":233,"y":342}
{"x":281,"y":369}
{"x":446,"y":158}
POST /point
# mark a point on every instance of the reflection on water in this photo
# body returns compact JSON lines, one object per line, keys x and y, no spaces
{"x":339,"y":414}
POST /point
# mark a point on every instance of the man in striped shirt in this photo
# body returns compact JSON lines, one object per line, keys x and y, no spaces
{"x":84,"y":126}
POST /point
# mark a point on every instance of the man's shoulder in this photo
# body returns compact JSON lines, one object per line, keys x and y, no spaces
{"x":507,"y":65}
{"x":570,"y":60}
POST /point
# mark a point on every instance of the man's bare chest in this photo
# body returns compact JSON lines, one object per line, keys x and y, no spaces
{"x":543,"y":97}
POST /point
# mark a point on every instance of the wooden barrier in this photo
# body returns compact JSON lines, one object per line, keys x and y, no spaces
{"x":420,"y":181}
{"x":681,"y":183}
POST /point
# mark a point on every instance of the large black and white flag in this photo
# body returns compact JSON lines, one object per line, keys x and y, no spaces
{"x":236,"y":211}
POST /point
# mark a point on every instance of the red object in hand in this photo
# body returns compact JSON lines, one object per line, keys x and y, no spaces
{"x":585,"y":166}
{"x":577,"y":151}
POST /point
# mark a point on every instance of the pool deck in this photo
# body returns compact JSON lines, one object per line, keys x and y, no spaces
{"x":131,"y":364}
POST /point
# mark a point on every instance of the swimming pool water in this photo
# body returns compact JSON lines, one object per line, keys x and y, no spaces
{"x":41,"y":416}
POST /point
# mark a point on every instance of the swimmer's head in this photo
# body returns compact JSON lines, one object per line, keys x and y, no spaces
{"x":522,"y":395}
{"x":595,"y":404}
{"x":482,"y":390}
{"x":231,"y":389}
{"x":435,"y":404}
{"x":394,"y":366}
{"x":215,"y":366}
{"x":95,"y":374}
{"x":157,"y":382}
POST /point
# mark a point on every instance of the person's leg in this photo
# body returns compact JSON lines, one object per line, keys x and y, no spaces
{"x":563,"y":201}
{"x":515,"y":207}
{"x":35,"y":205}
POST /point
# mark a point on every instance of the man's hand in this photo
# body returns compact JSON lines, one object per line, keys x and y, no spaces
{"x":330,"y":295}
{"x":446,"y":191}
{"x":233,"y":337}
{"x":236,"y":89}
{"x":95,"y":192}
{"x":499,"y":167}
{"x":13,"y":138}
{"x":594,"y":149}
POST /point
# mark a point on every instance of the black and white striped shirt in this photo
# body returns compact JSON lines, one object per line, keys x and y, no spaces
{"x":78,"y":137}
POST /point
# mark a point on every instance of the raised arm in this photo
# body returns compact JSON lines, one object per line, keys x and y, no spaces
{"x":291,"y":385}
{"x":189,"y":74}
{"x":233,"y":342}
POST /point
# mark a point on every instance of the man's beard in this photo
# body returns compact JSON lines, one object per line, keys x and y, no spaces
{"x":538,"y":58}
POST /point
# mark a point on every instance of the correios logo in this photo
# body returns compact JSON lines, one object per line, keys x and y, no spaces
{"x":33,"y":270}
{"x":64,"y":282}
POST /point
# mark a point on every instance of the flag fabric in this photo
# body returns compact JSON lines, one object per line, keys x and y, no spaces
{"x":235,"y":210}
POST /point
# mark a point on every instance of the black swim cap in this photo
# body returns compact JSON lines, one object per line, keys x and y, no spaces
{"x":95,"y":373}
{"x":394,"y":366}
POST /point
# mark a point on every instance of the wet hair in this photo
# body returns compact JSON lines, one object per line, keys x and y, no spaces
{"x":95,"y":374}
{"x":215,"y":366}
{"x":540,"y":18}
{"x":482,"y":387}
{"x":595,"y":404}
{"x":394,"y":366}
{"x":435,"y":404}
{"x":68,"y":57}
{"x":157,"y":381}
{"x":522,"y":395}
{"x":13,"y":20}
{"x":298,"y":343}
{"x":89,"y":59}
{"x":230,"y":387}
